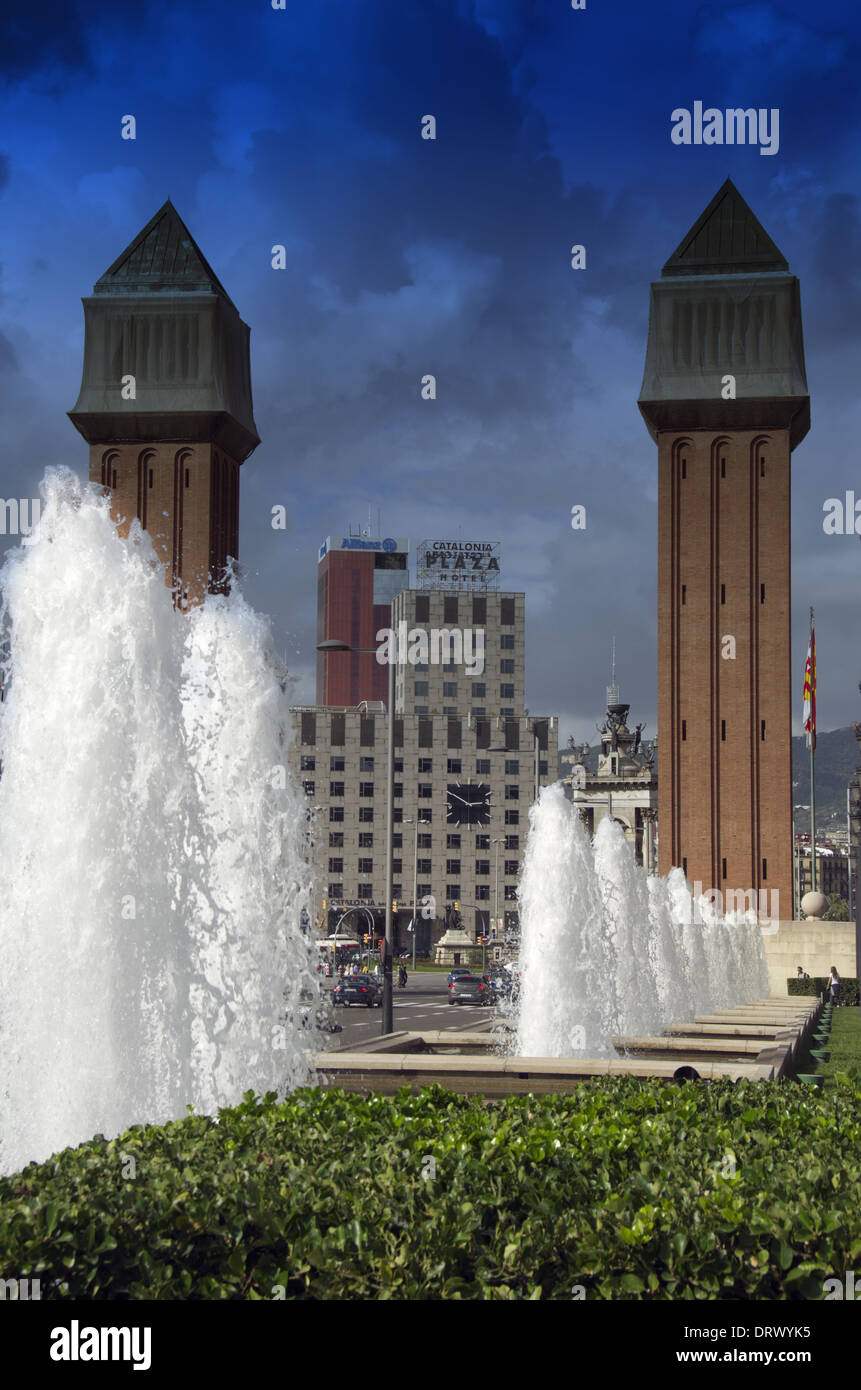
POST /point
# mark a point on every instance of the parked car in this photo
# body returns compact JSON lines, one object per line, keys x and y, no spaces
{"x":453,"y":974}
{"x":358,"y":989}
{"x":469,"y":989}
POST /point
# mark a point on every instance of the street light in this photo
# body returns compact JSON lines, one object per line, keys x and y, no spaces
{"x":409,"y":821}
{"x":334,"y":644}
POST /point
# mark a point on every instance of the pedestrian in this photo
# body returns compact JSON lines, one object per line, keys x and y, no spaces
{"x":341,"y":971}
{"x":834,"y":983}
{"x":800,"y":973}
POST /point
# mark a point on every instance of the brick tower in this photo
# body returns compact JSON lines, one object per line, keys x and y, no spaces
{"x":165,"y":402}
{"x":724,"y":395}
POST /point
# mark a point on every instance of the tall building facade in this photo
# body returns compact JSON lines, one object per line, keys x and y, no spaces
{"x":725,"y":398}
{"x":489,"y":628}
{"x":358,"y":577}
{"x":165,"y":402}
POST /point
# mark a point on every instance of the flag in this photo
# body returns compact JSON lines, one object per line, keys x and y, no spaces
{"x":808,"y":714}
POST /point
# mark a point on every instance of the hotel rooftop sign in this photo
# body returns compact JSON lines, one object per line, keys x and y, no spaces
{"x":457,"y":565}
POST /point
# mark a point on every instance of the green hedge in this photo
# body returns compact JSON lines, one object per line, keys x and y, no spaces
{"x":818,"y":984}
{"x":627,"y":1189}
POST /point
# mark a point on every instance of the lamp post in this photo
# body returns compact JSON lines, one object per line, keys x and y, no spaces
{"x":496,"y":748}
{"x":334,"y":644}
{"x":409,"y":821}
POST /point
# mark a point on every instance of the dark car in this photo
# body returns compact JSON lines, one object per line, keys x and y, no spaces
{"x":469,"y":989}
{"x":454,"y":974}
{"x":358,"y":989}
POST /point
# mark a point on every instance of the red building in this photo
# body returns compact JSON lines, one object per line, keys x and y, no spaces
{"x":357,"y":579}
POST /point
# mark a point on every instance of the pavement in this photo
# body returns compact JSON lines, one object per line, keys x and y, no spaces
{"x":423,"y":1004}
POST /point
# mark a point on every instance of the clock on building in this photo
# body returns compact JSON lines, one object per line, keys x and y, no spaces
{"x":468,"y":803}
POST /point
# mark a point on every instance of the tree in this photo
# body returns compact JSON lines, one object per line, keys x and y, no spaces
{"x":838,"y":909}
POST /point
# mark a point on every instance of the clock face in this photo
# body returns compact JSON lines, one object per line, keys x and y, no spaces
{"x":468,"y":803}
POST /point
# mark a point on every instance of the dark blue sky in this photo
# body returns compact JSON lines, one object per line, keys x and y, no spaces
{"x":406,"y":256}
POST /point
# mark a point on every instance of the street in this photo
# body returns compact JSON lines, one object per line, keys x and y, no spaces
{"x":423,"y":1004}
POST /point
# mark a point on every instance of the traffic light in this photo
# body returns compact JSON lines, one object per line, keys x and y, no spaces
{"x":366,"y":938}
{"x":457,"y":907}
{"x":394,"y":904}
{"x":324,"y":904}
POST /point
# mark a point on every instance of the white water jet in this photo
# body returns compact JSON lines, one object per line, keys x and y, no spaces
{"x":607,"y":951}
{"x":151,"y":844}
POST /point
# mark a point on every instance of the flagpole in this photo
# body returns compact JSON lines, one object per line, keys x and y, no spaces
{"x":811,"y":740}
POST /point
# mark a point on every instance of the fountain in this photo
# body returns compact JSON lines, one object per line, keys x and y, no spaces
{"x":151,"y":867}
{"x":610,"y":952}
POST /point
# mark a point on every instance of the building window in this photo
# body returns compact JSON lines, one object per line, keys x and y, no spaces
{"x":762,"y":730}
{"x":506,"y":666}
{"x":512,"y":818}
{"x":366,"y":813}
{"x":450,"y":667}
{"x":366,"y":789}
{"x":425,"y":733}
{"x":397,"y":815}
{"x":425,"y":841}
{"x":367,"y":730}
{"x":399,"y":764}
{"x":397,"y":841}
{"x":452,"y":866}
{"x":506,"y":641}
{"x":422,"y":666}
{"x":542,"y":768}
{"x":421,"y":688}
{"x":308,"y":788}
{"x":425,"y":764}
{"x":366,"y":839}
{"x":723,"y":593}
{"x":482,"y":892}
{"x":309,"y":729}
{"x":424,"y":866}
{"x":511,"y":892}
{"x":762,"y":468}
{"x":336,"y":866}
{"x":422,"y":608}
{"x":504,"y":710}
{"x":723,"y":468}
{"x":308,"y":763}
{"x":455,"y":764}
{"x":449,"y":610}
{"x":449,"y":690}
{"x":482,"y":866}
{"x":336,"y":813}
{"x":685,"y":867}
{"x":426,"y":790}
{"x":479,"y":611}
{"x":366,"y":764}
{"x":506,"y":612}
{"x":684,"y":729}
{"x":366,"y":892}
{"x":512,"y":767}
{"x":479,"y":711}
{"x":723,"y":868}
{"x":454,"y":733}
{"x":506,"y":692}
{"x":762,"y":593}
{"x":482,"y":767}
{"x":723,"y":731}
{"x":512,"y":792}
{"x":366,"y":866}
{"x":337,"y":763}
{"x":512,"y":867}
{"x":397,"y":788}
{"x":336,"y":839}
{"x":424,"y":890}
{"x":684,"y":593}
{"x":452,"y":842}
{"x":764,"y":870}
{"x":684,"y":468}
{"x":482,"y":842}
{"x":512,"y":842}
{"x":479,"y":690}
{"x":336,"y":891}
{"x":452,"y":892}
{"x":339,"y":730}
{"x":336,"y":788}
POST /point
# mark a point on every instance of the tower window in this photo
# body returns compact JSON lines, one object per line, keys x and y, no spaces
{"x":723,"y":593}
{"x":684,"y":468}
{"x":684,"y":593}
{"x":762,"y":730}
{"x":685,"y":867}
{"x":684,"y":729}
{"x":723,"y":730}
{"x":150,"y":477}
{"x":723,"y":468}
{"x":723,"y":867}
{"x":765,"y":869}
{"x":186,"y":477}
{"x":762,"y":593}
{"x":762,"y":468}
